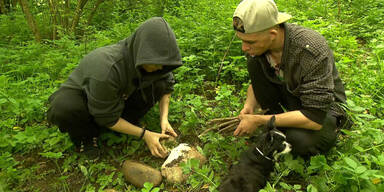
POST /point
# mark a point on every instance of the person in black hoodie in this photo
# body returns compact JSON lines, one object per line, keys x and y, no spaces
{"x":114,"y":86}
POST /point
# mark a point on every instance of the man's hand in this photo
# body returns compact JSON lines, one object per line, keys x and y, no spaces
{"x":167,"y":128}
{"x":152,"y":140}
{"x":248,"y":124}
{"x":246,"y":110}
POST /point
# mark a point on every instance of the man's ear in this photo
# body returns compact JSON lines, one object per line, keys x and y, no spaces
{"x":273,"y":33}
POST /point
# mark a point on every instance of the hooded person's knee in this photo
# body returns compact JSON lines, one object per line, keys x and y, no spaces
{"x":65,"y":109}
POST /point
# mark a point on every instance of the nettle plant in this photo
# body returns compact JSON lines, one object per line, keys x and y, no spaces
{"x":31,"y":71}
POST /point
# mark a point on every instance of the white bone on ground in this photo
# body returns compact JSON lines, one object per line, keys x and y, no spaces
{"x":177,"y":152}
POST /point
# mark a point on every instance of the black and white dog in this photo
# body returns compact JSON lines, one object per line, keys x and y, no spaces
{"x":255,"y":164}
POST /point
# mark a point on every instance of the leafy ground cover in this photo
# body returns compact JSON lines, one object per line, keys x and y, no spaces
{"x":37,"y":157}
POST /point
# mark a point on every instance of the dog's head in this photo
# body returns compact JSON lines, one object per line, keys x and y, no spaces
{"x":273,"y":143}
{"x":255,"y":164}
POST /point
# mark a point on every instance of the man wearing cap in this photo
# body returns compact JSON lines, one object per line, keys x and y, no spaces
{"x":293,"y":77}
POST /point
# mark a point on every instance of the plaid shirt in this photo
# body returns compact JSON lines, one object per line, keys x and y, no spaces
{"x":309,"y":71}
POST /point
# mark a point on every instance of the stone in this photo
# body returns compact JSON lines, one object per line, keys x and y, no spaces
{"x":109,"y":190}
{"x":137,"y":174}
{"x":171,"y":169}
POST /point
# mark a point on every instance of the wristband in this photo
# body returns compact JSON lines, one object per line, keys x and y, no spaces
{"x":142,"y":133}
{"x":271,"y":123}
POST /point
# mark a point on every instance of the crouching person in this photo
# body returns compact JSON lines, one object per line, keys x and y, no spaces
{"x":293,"y":77}
{"x":114,"y":86}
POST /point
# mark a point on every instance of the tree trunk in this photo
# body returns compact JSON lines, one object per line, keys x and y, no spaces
{"x":66,"y":15}
{"x":52,"y":8}
{"x":2,"y":7}
{"x":78,"y":12}
{"x":31,"y":21}
{"x":94,"y":11}
{"x":14,"y":3}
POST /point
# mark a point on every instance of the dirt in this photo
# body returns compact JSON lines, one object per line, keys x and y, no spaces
{"x":45,"y":174}
{"x":175,"y":161}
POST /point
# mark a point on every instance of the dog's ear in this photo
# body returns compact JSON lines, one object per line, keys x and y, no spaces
{"x":271,"y":123}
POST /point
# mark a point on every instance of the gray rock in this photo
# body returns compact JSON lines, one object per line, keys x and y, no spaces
{"x":171,"y":169}
{"x":137,"y":174}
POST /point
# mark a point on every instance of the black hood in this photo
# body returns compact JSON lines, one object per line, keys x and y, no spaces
{"x":154,"y":43}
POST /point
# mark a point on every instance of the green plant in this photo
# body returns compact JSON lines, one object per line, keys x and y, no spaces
{"x":148,"y":187}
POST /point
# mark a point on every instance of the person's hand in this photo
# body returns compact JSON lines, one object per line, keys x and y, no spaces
{"x":246,"y":110}
{"x":152,"y":139}
{"x":167,"y":128}
{"x":248,"y":124}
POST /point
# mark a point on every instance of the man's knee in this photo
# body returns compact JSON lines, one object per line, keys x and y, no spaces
{"x":307,"y":143}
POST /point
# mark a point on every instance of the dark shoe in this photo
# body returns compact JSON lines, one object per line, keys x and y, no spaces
{"x":90,"y":149}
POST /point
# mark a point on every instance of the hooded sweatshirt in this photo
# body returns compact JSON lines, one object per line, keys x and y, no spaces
{"x":110,"y":74}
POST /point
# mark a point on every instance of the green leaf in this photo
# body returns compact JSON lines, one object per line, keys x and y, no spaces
{"x":350,"y":162}
{"x":52,"y":155}
{"x":360,"y":149}
{"x":360,"y":169}
{"x":318,"y":162}
{"x":311,"y":188}
{"x":194,"y":163}
{"x":147,"y":187}
{"x":295,"y":165}
{"x":2,"y":101}
{"x":296,"y":187}
{"x":285,"y":186}
{"x":83,"y":170}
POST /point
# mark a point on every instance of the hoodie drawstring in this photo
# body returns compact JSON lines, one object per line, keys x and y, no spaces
{"x":144,"y":95}
{"x":153,"y":93}
{"x":142,"y":92}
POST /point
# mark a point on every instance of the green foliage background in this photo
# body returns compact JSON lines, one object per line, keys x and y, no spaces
{"x":37,"y":157}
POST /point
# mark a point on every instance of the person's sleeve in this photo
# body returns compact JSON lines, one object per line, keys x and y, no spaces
{"x":104,"y":102}
{"x":317,"y":86}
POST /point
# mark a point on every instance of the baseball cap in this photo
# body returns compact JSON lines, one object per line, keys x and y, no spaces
{"x":259,"y":15}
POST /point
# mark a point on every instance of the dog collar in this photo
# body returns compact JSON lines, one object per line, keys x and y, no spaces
{"x":262,"y":154}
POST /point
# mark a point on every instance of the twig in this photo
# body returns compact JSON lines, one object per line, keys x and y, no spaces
{"x":228,"y":128}
{"x":222,"y":124}
{"x":228,"y":123}
{"x":221,"y":119}
{"x":222,"y":60}
{"x":206,"y":131}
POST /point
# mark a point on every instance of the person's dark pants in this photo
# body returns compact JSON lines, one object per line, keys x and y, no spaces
{"x":68,"y":110}
{"x":274,"y":96}
{"x":309,"y":142}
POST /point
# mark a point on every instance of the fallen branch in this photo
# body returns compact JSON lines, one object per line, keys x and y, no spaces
{"x":227,"y":124}
{"x":221,"y":119}
{"x":228,"y":128}
{"x":222,"y":124}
